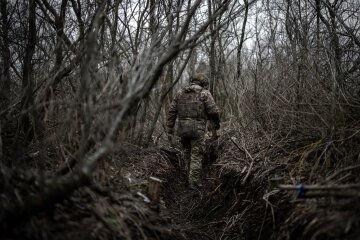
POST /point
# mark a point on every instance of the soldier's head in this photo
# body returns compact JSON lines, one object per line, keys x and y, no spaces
{"x":200,"y":79}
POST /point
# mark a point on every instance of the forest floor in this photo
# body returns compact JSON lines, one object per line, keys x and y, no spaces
{"x":239,"y":197}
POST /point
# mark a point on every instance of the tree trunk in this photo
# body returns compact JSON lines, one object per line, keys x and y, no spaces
{"x":239,"y":48}
{"x":30,"y":123}
{"x":5,"y":80}
{"x":212,"y":54}
{"x":337,"y":72}
{"x":60,"y":22}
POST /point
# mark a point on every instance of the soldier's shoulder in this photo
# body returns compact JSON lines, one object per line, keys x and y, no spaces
{"x":179,"y":92}
{"x":206,"y":93}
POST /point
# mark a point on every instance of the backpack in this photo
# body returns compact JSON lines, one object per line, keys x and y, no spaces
{"x":191,"y":113}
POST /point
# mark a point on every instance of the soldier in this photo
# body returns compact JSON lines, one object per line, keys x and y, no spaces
{"x":193,"y":106}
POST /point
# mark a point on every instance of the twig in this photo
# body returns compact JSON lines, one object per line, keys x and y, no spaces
{"x":252,"y":160}
{"x":342,"y":170}
{"x":248,"y":172}
{"x":232,"y":140}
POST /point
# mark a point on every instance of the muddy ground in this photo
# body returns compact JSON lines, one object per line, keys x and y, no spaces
{"x":240,"y":197}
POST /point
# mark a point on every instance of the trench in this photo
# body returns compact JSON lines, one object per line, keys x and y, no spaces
{"x":224,"y":207}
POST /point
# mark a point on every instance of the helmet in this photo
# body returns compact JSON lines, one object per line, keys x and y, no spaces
{"x":200,"y":78}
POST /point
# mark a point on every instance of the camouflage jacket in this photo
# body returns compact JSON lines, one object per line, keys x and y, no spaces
{"x":192,"y":106}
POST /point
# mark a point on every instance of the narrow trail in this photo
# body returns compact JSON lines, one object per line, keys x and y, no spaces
{"x":191,"y":208}
{"x":182,"y":202}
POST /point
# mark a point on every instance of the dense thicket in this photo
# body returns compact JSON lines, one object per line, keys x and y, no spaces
{"x":78,"y":77}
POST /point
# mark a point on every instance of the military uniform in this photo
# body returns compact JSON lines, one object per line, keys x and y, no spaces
{"x":193,"y":106}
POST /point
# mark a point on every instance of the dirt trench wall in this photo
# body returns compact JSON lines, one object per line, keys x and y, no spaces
{"x":239,"y":201}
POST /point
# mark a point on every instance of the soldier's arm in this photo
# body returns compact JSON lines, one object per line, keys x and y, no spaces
{"x":211,"y":109}
{"x":172,"y":114}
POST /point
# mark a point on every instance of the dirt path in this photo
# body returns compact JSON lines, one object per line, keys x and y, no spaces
{"x":182,"y":202}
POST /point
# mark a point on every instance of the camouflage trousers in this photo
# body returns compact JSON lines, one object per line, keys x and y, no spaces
{"x":193,"y":154}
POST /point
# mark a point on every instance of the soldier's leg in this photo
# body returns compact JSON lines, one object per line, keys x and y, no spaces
{"x":197,"y":154}
{"x":207,"y":158}
{"x":185,"y":162}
